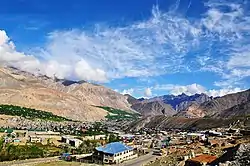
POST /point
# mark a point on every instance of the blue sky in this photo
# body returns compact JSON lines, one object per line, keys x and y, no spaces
{"x":145,"y":48}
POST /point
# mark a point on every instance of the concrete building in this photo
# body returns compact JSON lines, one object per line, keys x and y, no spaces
{"x":71,"y":140}
{"x":75,"y":142}
{"x":35,"y":139}
{"x":115,"y":152}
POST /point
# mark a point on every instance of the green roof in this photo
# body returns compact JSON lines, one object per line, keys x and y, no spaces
{"x":9,"y":130}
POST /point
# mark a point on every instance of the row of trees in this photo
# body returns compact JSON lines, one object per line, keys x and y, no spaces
{"x":118,"y":114}
{"x":29,"y":113}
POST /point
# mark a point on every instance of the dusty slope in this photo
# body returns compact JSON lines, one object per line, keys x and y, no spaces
{"x":75,"y":101}
{"x":225,"y":106}
{"x":162,"y":122}
{"x":242,"y":109}
{"x":148,"y":107}
{"x":153,"y":108}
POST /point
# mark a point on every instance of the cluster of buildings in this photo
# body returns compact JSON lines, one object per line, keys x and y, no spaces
{"x":191,"y":148}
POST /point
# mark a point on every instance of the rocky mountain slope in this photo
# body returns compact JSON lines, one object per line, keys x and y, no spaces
{"x":226,"y":106}
{"x":195,"y":106}
{"x":181,"y":102}
{"x":169,"y":104}
{"x":148,"y":107}
{"x":242,"y":109}
{"x":164,"y":123}
{"x":74,"y":100}
{"x":153,"y":108}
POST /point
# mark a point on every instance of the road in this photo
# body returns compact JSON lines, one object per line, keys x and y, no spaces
{"x":140,"y":160}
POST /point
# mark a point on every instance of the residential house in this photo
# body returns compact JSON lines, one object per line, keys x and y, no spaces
{"x":71,"y":140}
{"x":75,"y":142}
{"x":115,"y":152}
{"x":35,"y":139}
{"x":200,"y":160}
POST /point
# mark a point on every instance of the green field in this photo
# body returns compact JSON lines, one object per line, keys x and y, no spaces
{"x":117,"y":114}
{"x":30,"y":113}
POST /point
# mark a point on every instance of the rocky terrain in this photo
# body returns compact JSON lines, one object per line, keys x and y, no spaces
{"x":236,"y":104}
{"x":151,"y":108}
{"x":181,"y":102}
{"x":164,"y":123}
{"x":170,"y":105}
{"x":217,"y":112}
{"x":74,"y":100}
{"x":235,"y":156}
{"x":195,"y":106}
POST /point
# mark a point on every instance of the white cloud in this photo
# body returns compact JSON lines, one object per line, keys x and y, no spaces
{"x":51,"y":66}
{"x":3,"y":37}
{"x":9,"y":56}
{"x":179,"y":89}
{"x":189,"y":89}
{"x":222,"y":92}
{"x":128,"y":91}
{"x":148,"y":92}
{"x":195,"y":89}
{"x":241,"y":59}
{"x":84,"y":71}
{"x":161,"y":44}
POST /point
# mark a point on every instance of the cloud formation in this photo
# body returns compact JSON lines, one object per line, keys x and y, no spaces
{"x":128,"y":91}
{"x":195,"y":89}
{"x":148,"y":92}
{"x":51,"y":67}
{"x":161,"y":44}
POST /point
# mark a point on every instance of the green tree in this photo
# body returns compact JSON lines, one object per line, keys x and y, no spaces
{"x":113,"y":138}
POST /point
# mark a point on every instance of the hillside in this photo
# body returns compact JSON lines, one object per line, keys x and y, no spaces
{"x":153,"y":108}
{"x":71,"y":100}
{"x":181,"y":102}
{"x":242,"y":109}
{"x":150,"y":107}
{"x":165,"y":123}
{"x":225,"y":106}
{"x":170,"y":105}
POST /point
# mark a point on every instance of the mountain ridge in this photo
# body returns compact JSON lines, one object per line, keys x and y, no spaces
{"x":75,"y":101}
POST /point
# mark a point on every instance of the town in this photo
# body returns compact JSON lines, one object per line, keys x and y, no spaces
{"x":102,"y":143}
{"x":125,"y":83}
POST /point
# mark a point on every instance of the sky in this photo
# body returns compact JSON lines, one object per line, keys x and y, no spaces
{"x":143,"y":48}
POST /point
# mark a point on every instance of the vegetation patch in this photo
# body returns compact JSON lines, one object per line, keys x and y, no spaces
{"x":117,"y":114}
{"x":9,"y":152}
{"x":30,"y":113}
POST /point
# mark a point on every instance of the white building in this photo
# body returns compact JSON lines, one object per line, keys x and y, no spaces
{"x":115,"y":152}
{"x":71,"y":140}
{"x":35,"y":139}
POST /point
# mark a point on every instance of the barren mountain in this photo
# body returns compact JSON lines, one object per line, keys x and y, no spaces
{"x":242,"y":109}
{"x":191,"y":111}
{"x":226,"y":106}
{"x":164,"y":123}
{"x":182,"y":101}
{"x":195,"y":99}
{"x":73,"y":100}
{"x":148,"y":107}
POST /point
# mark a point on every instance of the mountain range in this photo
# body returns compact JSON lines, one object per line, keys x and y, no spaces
{"x":76,"y":100}
{"x":194,"y":106}
{"x":80,"y":100}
